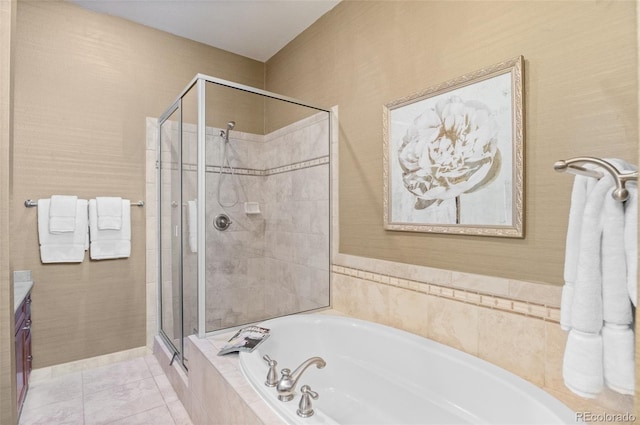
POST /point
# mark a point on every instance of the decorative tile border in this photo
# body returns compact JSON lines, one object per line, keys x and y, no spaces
{"x":252,"y":171}
{"x":298,"y":165}
{"x":525,"y":308}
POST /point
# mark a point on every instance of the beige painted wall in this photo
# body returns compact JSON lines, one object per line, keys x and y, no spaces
{"x":7,"y":356}
{"x":84,"y":84}
{"x":580,"y":84}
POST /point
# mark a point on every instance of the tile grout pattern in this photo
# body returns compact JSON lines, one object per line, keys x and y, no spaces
{"x":521,"y":307}
{"x":131,"y":392}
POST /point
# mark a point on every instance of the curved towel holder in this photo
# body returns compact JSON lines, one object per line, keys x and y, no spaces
{"x":573,"y":166}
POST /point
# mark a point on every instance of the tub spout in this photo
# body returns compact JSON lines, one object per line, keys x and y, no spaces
{"x":287,"y":384}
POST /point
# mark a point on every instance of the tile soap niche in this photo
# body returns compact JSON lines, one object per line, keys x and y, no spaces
{"x":252,"y":208}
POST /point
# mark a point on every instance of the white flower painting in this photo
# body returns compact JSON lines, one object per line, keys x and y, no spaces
{"x":453,"y":156}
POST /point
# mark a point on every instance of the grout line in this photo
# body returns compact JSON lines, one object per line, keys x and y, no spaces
{"x":515,"y":306}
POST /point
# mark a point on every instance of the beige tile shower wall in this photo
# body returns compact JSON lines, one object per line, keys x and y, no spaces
{"x":84,"y":84}
{"x":296,"y":204}
{"x":7,"y":363}
{"x":581,"y":99}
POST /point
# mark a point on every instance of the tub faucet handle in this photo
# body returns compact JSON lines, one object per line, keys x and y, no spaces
{"x":305,"y":409}
{"x":272,"y":375}
{"x":286,"y":386}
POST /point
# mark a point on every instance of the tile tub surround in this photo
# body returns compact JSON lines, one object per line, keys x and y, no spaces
{"x":215,"y":391}
{"x":229,"y":398}
{"x":515,"y":327}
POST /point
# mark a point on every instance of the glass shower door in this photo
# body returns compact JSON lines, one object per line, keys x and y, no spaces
{"x":170,"y":223}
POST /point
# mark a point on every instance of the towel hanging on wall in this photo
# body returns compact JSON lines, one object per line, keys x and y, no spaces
{"x":108,"y":244}
{"x":109,"y":211}
{"x":62,"y":213}
{"x":596,"y":304}
{"x":67,"y":247}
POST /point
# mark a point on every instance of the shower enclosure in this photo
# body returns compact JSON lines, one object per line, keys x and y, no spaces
{"x":243,"y":196}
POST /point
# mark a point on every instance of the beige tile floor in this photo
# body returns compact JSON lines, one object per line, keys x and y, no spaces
{"x":132,"y":392}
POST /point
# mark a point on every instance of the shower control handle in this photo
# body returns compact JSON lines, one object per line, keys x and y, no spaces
{"x":222,"y":222}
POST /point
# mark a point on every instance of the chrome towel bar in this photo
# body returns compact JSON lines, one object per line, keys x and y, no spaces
{"x":29,"y":203}
{"x":574,"y":166}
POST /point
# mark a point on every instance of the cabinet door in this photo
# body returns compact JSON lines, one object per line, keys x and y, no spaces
{"x":21,"y":377}
{"x":28,"y":362}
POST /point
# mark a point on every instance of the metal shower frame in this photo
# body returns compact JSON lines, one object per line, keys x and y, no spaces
{"x":200,"y":81}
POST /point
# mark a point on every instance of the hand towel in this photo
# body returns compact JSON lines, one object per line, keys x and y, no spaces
{"x":615,"y":296}
{"x":618,"y":349}
{"x":586,"y":308}
{"x":582,"y":368}
{"x":192,"y":224}
{"x":572,"y":247}
{"x":617,"y":335}
{"x":630,"y":228}
{"x":62,"y":214}
{"x":66,"y":247}
{"x":109,"y":212}
{"x":631,"y":241}
{"x":107,"y":244}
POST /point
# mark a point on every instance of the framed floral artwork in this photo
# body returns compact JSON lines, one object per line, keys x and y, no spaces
{"x":453,"y":156}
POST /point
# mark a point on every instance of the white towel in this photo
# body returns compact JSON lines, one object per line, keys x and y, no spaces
{"x":586,"y":308}
{"x":631,"y":241}
{"x":582,"y":368}
{"x":617,"y":335}
{"x":62,"y":213}
{"x":618,"y":348}
{"x":615,"y":297}
{"x":109,"y":212}
{"x":581,"y":186}
{"x":630,"y":229}
{"x":106,"y":244}
{"x":192,"y":224}
{"x":62,"y":247}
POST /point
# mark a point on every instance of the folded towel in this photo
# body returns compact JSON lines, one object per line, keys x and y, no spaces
{"x":62,"y":214}
{"x":631,"y":241}
{"x":192,"y":224}
{"x":106,"y":244}
{"x":615,"y":297}
{"x":618,"y":346}
{"x":582,"y":368}
{"x":586,"y":308}
{"x":109,"y":213}
{"x":572,"y":248}
{"x":65,"y":247}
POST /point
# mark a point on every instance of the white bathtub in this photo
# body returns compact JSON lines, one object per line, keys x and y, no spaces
{"x":380,"y":375}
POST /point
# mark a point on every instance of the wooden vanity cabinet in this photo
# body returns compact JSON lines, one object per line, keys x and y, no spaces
{"x":23,"y":348}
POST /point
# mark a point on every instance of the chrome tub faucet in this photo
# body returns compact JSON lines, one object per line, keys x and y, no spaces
{"x":286,"y":386}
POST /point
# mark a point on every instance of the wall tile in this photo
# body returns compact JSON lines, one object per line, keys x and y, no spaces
{"x":453,"y":323}
{"x":408,"y":310}
{"x":513,"y":342}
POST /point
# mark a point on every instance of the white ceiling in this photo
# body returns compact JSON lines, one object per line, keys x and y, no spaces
{"x":257,"y":29}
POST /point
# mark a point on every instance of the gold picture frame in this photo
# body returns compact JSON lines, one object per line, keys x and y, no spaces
{"x":454,"y":156}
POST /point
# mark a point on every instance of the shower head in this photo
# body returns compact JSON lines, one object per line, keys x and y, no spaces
{"x":225,"y":134}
